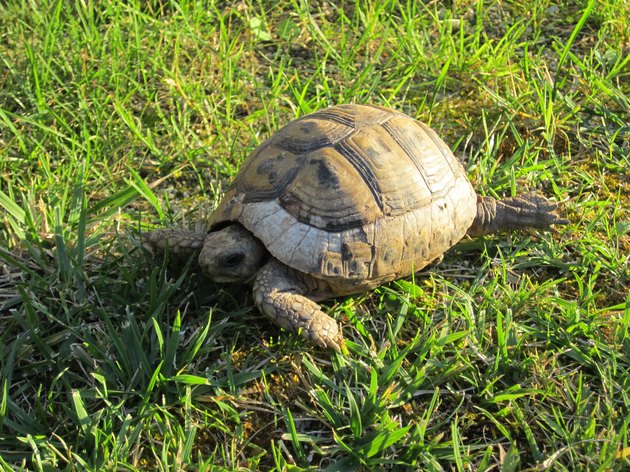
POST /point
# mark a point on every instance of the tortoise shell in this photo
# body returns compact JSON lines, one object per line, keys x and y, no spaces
{"x":354,"y":194}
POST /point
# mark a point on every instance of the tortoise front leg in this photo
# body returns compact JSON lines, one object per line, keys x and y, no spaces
{"x":279,"y":292}
{"x":181,"y":244}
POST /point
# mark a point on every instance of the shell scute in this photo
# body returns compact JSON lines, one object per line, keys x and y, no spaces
{"x":328,"y":193}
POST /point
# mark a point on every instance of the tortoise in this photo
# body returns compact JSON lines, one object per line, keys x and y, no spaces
{"x":338,"y":202}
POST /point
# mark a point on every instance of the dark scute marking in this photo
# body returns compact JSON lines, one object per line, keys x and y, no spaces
{"x":307,"y":127}
{"x":268,"y":168}
{"x":390,"y":255}
{"x":354,"y":267}
{"x":364,"y":171}
{"x":260,"y":196}
{"x":333,"y":268}
{"x":339,"y":227}
{"x":275,"y":185}
{"x":346,"y":119}
{"x":346,"y":253}
{"x":372,"y":153}
{"x":303,"y":144}
{"x":350,"y":259}
{"x":327,"y":178}
{"x":301,"y":137}
{"x":301,"y":212}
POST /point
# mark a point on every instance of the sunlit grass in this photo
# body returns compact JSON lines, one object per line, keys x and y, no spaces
{"x":512,"y":353}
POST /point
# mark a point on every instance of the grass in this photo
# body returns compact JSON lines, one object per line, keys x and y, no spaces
{"x":512,"y":354}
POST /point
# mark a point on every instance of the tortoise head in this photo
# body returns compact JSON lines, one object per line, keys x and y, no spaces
{"x":232,"y":254}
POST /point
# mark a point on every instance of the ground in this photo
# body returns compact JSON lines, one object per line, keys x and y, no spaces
{"x":512,"y":353}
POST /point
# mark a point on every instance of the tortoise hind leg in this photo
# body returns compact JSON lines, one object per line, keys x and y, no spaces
{"x":279,"y":293}
{"x":527,"y":211}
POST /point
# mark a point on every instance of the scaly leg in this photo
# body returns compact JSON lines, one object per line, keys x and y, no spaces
{"x":279,"y":292}
{"x":527,"y":211}
{"x":180,"y":243}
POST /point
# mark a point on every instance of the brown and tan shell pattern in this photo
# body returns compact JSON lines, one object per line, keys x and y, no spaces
{"x":353,"y":194}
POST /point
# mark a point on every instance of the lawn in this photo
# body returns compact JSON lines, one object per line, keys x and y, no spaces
{"x":512,"y":353}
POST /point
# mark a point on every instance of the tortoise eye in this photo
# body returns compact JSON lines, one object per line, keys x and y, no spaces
{"x":233,"y":260}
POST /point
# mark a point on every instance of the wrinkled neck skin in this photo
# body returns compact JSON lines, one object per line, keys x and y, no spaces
{"x":232,"y":254}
